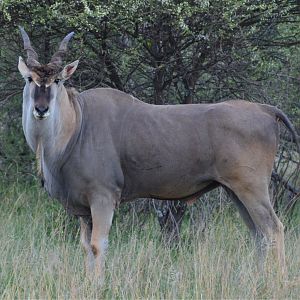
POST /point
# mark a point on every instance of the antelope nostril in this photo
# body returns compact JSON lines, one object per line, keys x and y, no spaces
{"x":41,"y":109}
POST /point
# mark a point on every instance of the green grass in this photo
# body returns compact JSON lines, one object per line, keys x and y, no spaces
{"x":41,"y":257}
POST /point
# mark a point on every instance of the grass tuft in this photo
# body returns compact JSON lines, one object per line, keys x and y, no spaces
{"x":41,"y":257}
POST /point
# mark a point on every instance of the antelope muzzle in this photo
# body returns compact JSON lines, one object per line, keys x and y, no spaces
{"x":41,"y":112}
{"x":42,"y":97}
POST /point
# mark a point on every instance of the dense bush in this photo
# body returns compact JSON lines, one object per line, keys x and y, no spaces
{"x":160,"y":51}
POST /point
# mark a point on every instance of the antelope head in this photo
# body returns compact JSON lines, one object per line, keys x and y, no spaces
{"x":43,"y":82}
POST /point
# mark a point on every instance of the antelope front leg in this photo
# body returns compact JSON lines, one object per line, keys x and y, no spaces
{"x":102,"y":214}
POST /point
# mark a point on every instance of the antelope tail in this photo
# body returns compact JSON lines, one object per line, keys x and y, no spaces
{"x":280,"y":115}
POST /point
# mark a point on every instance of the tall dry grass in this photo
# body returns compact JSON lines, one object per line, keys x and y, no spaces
{"x":40,"y":257}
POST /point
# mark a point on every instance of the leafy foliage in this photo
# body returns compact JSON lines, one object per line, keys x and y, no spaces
{"x":165,"y":51}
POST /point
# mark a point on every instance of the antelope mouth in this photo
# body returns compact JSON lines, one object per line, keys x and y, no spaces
{"x":41,"y":116}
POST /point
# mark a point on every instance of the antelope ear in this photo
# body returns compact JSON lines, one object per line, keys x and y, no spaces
{"x":25,"y":72}
{"x":69,"y":69}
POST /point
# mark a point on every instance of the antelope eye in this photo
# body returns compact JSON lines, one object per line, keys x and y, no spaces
{"x":57,"y":80}
{"x":29,"y":79}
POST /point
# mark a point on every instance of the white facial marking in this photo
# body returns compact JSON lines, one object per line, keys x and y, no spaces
{"x":39,"y":117}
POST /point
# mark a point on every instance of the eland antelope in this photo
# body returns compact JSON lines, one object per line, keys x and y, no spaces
{"x":102,"y":147}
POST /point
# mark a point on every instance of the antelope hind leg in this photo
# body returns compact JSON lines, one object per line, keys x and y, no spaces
{"x":269,"y":229}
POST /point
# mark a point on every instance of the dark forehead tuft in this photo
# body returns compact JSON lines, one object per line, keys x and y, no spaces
{"x":45,"y":71}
